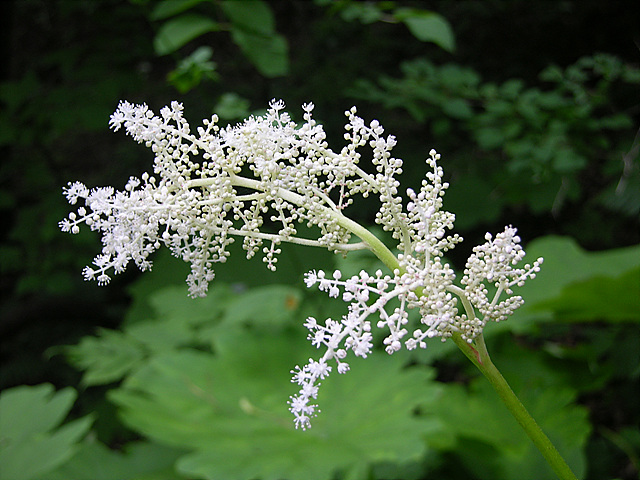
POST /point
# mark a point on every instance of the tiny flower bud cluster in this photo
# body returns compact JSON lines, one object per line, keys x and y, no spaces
{"x":493,"y":263}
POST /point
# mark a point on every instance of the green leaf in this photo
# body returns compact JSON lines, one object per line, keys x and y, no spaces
{"x":169,"y":8}
{"x":268,"y":53}
{"x":193,"y":69}
{"x":230,"y":411}
{"x":457,"y":108}
{"x":106,"y":357}
{"x":254,"y":16}
{"x":567,"y":160}
{"x":179,"y":31}
{"x":365,"y":12}
{"x":32,"y":443}
{"x":428,"y":27}
{"x":136,"y":461}
{"x":489,"y":137}
{"x":253,"y":30}
{"x":172,"y":303}
{"x":601,"y":298}
{"x":174,"y":320}
{"x":17,"y":405}
{"x":566,"y":263}
{"x":268,"y":305}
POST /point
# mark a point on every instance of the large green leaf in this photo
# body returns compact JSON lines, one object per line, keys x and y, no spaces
{"x":230,"y":411}
{"x":611,"y":299}
{"x":268,"y":53}
{"x":428,"y":27}
{"x":253,"y":30}
{"x":180,"y":30}
{"x":567,"y":263}
{"x":136,"y":461}
{"x":174,"y":321}
{"x":106,"y":357}
{"x":251,"y":15}
{"x":32,"y":444}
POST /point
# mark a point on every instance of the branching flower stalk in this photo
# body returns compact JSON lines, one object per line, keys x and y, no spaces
{"x":259,"y":181}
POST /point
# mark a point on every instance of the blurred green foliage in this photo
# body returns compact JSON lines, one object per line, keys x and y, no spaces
{"x":210,"y":378}
{"x":33,"y":443}
{"x":526,"y":147}
{"x":538,"y":127}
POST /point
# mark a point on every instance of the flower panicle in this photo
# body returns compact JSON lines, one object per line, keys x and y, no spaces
{"x":424,"y":287}
{"x":262,"y":178}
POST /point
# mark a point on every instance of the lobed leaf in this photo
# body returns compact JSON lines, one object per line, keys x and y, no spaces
{"x":468,"y":413}
{"x":136,"y":461}
{"x":32,"y":443}
{"x":230,"y":411}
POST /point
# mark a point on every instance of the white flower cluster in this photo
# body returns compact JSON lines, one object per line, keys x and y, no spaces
{"x":428,"y":288}
{"x":369,"y":295}
{"x":492,"y":263}
{"x":262,"y":178}
{"x":257,"y":180}
{"x":421,"y":282}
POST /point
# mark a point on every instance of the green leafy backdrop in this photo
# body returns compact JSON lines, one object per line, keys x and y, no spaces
{"x":536,"y":113}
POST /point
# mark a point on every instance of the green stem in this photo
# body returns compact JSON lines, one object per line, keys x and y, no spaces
{"x":376,"y":245}
{"x":477,"y":353}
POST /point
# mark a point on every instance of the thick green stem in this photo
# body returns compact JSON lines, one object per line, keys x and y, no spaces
{"x":477,"y":353}
{"x":376,"y":245}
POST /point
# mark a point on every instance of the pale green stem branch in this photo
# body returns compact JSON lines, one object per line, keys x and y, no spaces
{"x":346,"y":247}
{"x":374,"y":244}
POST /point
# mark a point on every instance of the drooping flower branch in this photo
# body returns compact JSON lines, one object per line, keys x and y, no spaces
{"x":426,"y":286}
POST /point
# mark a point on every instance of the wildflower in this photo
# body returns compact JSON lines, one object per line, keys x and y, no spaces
{"x":213,"y":185}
